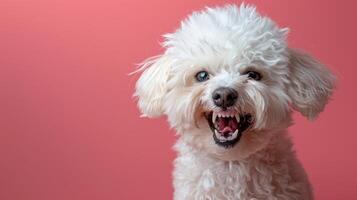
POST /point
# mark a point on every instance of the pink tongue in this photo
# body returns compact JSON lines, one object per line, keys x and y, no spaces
{"x":226,"y":125}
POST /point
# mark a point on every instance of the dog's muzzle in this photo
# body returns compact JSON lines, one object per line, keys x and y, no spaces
{"x":227,"y":125}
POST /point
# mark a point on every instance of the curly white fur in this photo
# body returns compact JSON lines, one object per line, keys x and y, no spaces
{"x":227,"y":42}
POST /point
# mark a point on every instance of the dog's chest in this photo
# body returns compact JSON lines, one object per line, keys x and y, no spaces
{"x":221,"y":180}
{"x":218,"y":180}
{"x":230,"y":180}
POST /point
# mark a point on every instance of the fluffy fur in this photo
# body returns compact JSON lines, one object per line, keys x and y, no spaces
{"x":227,"y":42}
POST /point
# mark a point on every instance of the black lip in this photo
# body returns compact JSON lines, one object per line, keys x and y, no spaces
{"x":244,"y":124}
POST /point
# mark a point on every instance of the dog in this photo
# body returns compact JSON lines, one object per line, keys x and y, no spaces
{"x":228,"y":83}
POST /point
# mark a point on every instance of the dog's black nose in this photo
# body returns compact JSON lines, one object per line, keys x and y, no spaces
{"x":224,"y":97}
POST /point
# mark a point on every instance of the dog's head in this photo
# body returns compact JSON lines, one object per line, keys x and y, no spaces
{"x":227,"y":81}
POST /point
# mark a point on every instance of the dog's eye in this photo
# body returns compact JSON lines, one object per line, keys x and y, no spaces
{"x":254,"y":75}
{"x":202,"y":76}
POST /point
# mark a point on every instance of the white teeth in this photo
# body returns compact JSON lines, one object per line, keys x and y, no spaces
{"x":214,"y":116}
{"x":224,"y":139}
{"x":237,"y":118}
{"x":234,"y":135}
{"x":219,"y":136}
{"x":235,"y":132}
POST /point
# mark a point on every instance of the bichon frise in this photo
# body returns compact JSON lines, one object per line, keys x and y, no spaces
{"x":228,"y":83}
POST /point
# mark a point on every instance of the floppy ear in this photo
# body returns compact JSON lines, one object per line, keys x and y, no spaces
{"x":152,"y":85}
{"x":311,"y":84}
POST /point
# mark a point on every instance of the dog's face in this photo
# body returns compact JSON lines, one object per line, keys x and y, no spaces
{"x":227,"y":81}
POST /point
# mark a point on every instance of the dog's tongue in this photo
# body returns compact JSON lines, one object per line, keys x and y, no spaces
{"x":226,"y":124}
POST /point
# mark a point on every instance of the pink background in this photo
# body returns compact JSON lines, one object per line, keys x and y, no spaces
{"x":70,"y":130}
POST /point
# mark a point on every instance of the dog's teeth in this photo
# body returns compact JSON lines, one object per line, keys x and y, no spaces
{"x":237,"y":118}
{"x":218,"y":135}
{"x":234,"y":135}
{"x":214,"y":116}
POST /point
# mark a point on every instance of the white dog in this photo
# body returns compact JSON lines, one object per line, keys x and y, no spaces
{"x":228,"y":83}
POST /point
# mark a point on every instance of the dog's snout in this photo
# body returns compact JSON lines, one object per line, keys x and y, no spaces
{"x":224,"y":97}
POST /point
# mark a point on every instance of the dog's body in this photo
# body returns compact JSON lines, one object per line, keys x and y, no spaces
{"x":270,"y":173}
{"x":228,"y":83}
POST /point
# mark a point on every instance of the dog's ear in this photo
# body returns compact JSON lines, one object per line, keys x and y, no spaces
{"x":152,"y":85}
{"x":311,"y":84}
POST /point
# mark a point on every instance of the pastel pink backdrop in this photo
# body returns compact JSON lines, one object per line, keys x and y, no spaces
{"x":69,"y":128}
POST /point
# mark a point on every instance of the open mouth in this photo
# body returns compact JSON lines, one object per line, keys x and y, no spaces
{"x":227,"y":127}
